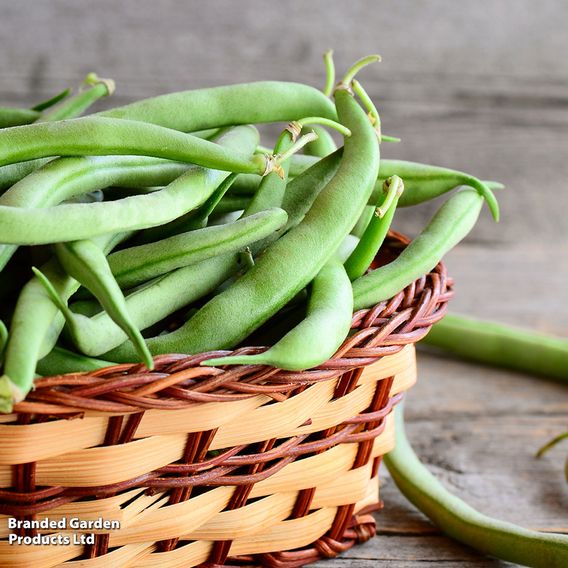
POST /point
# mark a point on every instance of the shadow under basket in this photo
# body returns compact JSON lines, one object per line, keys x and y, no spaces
{"x":195,"y":466}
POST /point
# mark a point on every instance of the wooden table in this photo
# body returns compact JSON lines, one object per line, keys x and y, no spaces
{"x":479,"y":86}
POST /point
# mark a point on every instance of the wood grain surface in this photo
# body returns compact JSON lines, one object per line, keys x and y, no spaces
{"x":479,"y":86}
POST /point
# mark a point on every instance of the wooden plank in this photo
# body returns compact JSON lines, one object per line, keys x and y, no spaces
{"x":411,"y":551}
{"x":147,"y":42}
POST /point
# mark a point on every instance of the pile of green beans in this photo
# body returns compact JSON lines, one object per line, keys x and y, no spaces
{"x":197,"y":235}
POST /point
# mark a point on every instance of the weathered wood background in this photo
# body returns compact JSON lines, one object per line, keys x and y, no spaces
{"x":479,"y":86}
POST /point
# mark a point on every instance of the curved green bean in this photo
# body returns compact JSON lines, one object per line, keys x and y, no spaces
{"x":501,"y":345}
{"x":64,"y":178}
{"x":423,"y":182}
{"x":462,"y":522}
{"x":134,"y":265}
{"x":86,"y":262}
{"x":318,"y":336}
{"x":149,"y":304}
{"x":247,"y":103}
{"x":98,"y":136}
{"x":452,"y":222}
{"x":82,"y":221}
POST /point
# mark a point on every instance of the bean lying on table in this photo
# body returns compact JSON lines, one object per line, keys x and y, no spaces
{"x":501,"y":345}
{"x":461,"y":521}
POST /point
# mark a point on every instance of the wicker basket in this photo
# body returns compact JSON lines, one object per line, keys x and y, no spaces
{"x":247,"y":466}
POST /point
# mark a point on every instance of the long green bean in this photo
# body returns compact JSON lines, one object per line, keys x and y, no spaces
{"x":463,"y":523}
{"x":501,"y":345}
{"x":82,"y":221}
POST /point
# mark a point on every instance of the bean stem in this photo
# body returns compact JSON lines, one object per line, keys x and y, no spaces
{"x":356,"y":67}
{"x":329,"y":73}
{"x":368,"y":103}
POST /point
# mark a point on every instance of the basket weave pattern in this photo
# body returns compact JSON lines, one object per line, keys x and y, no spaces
{"x":240,"y":466}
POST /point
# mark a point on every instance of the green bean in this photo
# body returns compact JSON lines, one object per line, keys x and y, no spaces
{"x":92,"y":89}
{"x":43,"y":105}
{"x":462,"y":522}
{"x":291,"y":262}
{"x":13,"y":173}
{"x":138,"y":264}
{"x":423,"y":182}
{"x":16,"y":116}
{"x":372,"y":239}
{"x":35,"y":327}
{"x":248,"y":103}
{"x":82,"y":221}
{"x":329,"y":73}
{"x":192,"y":220}
{"x":149,"y":304}
{"x":501,"y":345}
{"x":60,"y":361}
{"x":318,"y":336}
{"x":96,"y":136}
{"x":64,"y":178}
{"x":452,"y":222}
{"x":86,"y":262}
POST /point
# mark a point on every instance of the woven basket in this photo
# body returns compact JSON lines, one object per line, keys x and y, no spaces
{"x":247,"y":466}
